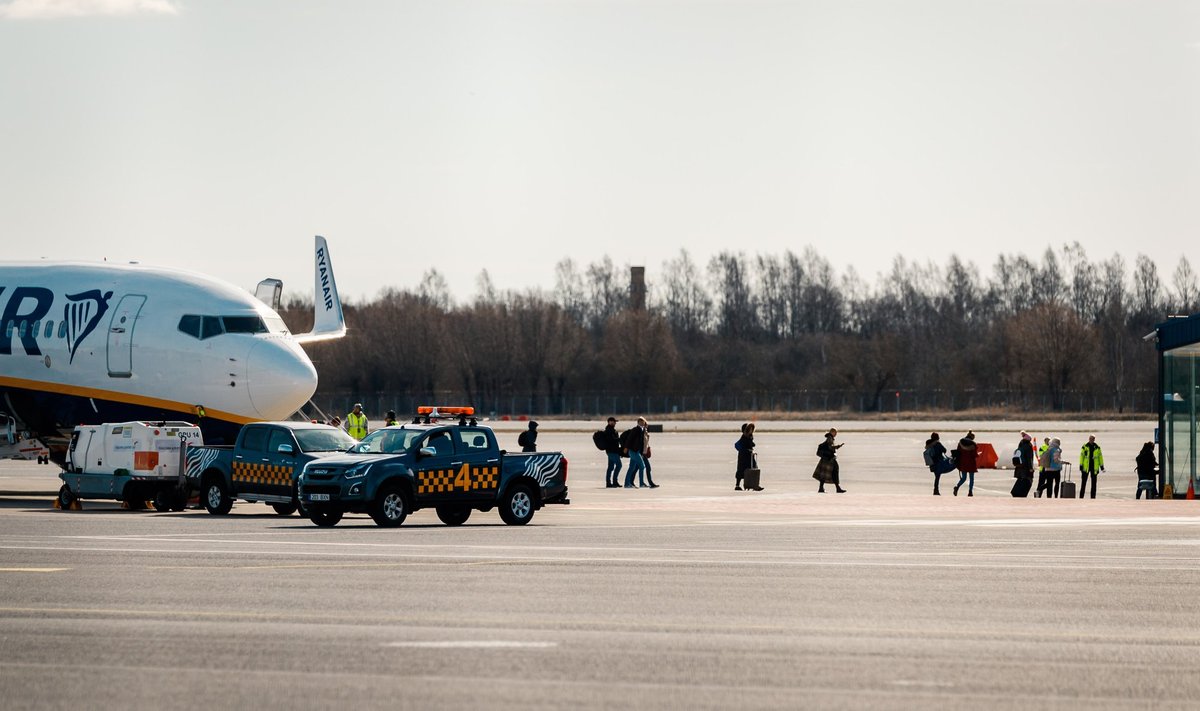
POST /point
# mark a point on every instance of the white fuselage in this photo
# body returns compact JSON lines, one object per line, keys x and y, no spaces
{"x":128,"y":342}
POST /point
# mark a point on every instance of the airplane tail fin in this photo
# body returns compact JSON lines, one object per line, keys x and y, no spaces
{"x":328,"y":322}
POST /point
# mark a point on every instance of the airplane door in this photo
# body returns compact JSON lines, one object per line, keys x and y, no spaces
{"x":120,"y":336}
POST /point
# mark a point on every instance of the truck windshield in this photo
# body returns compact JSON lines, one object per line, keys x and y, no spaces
{"x":387,"y":441}
{"x":322,"y":440}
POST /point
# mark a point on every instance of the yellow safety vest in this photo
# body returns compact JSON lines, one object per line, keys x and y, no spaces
{"x":356,"y":425}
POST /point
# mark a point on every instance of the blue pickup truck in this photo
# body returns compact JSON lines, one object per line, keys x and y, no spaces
{"x":455,"y":469}
{"x":262,"y":465}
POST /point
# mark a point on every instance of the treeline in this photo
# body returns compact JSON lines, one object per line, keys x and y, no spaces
{"x":1046,"y":332}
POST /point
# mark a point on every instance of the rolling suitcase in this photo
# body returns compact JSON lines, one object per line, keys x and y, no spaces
{"x":1067,"y":487}
{"x":1021,"y":488}
{"x":750,"y":478}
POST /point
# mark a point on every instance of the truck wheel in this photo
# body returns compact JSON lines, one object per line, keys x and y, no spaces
{"x":285,"y":509}
{"x":390,"y":506}
{"x":179,"y":500}
{"x":453,"y":515}
{"x":326,"y":518}
{"x":216,"y":500}
{"x":516,"y":509}
{"x":136,"y":504}
{"x":66,"y":497}
{"x":162,"y":501}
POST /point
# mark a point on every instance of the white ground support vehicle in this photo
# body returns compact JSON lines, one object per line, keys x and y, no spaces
{"x":134,"y":462}
{"x":15,"y":444}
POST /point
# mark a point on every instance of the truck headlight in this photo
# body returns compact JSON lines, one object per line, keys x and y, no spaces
{"x":356,"y":472}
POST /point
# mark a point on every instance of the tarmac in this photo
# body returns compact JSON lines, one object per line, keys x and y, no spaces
{"x":691,"y":595}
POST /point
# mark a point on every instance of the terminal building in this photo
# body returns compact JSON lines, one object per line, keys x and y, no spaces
{"x":1178,"y":342}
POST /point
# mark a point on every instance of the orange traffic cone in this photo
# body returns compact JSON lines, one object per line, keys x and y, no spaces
{"x":1191,"y":490}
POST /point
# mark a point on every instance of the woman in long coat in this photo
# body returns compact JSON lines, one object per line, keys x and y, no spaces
{"x":745,"y":458}
{"x":827,"y":469}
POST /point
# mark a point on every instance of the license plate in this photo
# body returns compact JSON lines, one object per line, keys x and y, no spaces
{"x":318,"y":497}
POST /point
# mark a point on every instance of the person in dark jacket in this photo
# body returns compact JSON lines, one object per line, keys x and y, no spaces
{"x":828,"y":470}
{"x":1024,"y":470}
{"x":1147,"y":472}
{"x":966,"y":455}
{"x":528,"y":439}
{"x":745,"y":457}
{"x":633,"y":443}
{"x":612,"y":448}
{"x":937,"y":452}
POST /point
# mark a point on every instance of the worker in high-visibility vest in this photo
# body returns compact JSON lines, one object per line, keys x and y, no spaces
{"x":356,"y":422}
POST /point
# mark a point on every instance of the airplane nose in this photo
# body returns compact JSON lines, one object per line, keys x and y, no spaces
{"x":281,"y":378}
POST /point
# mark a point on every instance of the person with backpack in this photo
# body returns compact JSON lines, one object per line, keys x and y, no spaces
{"x":527,"y":440}
{"x":1023,"y":466}
{"x":608,"y":441}
{"x":935,"y":454}
{"x":966,"y":459}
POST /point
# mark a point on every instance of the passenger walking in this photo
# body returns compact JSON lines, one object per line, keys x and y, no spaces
{"x":1147,"y":472}
{"x":1023,"y":466}
{"x":646,"y":452}
{"x":745,"y":457}
{"x":827,"y":471}
{"x":1043,"y":477}
{"x":527,"y":440}
{"x":937,"y":456}
{"x":966,"y":456}
{"x":612,"y":448}
{"x":633,"y":443}
{"x":356,"y":422}
{"x":1091,"y":463}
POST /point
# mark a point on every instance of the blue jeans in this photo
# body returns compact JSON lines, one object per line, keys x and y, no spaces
{"x":614,"y":469}
{"x":962,"y":476}
{"x":637,"y":465}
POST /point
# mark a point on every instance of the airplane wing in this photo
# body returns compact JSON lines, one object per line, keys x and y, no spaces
{"x":328,"y":322}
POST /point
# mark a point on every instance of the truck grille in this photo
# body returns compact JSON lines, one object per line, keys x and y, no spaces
{"x":322,"y":489}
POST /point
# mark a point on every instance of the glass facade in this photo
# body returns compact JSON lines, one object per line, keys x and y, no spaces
{"x":1179,"y":372}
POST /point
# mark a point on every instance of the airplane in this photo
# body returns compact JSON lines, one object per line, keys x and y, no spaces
{"x":87,"y":343}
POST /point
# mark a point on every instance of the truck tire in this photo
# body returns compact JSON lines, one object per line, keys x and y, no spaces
{"x":179,"y":500}
{"x":325,"y":518}
{"x":285,"y":509}
{"x":216,"y":498}
{"x":66,"y":497}
{"x":162,"y":501}
{"x":453,"y":515}
{"x":516,"y":508}
{"x":390,"y":507}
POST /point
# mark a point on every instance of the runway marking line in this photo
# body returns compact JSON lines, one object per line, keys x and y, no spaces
{"x":33,"y":570}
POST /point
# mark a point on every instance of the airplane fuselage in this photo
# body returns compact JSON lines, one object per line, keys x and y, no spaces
{"x":84,"y":343}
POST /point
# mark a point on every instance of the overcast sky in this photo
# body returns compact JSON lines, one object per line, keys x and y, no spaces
{"x":464,"y":135}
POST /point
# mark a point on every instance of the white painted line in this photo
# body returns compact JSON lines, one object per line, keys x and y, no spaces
{"x":32,"y":570}
{"x":474,"y":644}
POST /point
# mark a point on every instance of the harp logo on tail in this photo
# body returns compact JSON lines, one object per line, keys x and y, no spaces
{"x":82,"y":314}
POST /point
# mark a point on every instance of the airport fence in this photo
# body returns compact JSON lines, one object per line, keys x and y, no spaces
{"x":894,"y":402}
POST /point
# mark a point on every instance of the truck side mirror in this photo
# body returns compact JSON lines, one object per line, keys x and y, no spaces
{"x":286,"y":449}
{"x":428,"y":451}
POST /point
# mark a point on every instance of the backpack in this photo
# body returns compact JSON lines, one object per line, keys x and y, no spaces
{"x":523,"y":439}
{"x":598,"y":439}
{"x":737,"y":444}
{"x":929,"y":456}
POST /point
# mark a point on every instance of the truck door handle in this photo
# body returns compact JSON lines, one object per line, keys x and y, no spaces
{"x":456,"y":464}
{"x":117,"y":329}
{"x":492,"y":461}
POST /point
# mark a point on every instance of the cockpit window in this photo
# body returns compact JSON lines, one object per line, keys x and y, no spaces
{"x":244,"y":324}
{"x":189,"y":324}
{"x":203,"y":327}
